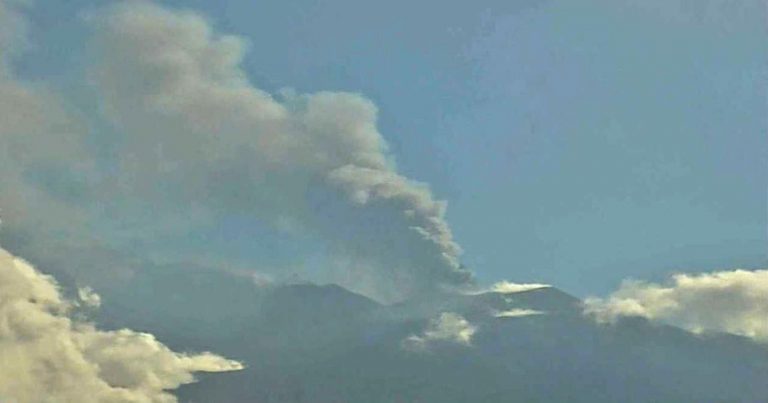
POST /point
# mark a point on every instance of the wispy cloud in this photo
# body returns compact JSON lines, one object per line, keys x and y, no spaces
{"x":508,"y":287}
{"x":518,"y":313}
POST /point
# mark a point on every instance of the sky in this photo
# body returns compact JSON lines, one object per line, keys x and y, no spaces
{"x":387,"y":173}
{"x":574,"y":144}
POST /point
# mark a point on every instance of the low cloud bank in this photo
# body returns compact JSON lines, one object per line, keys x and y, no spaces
{"x":725,"y":301}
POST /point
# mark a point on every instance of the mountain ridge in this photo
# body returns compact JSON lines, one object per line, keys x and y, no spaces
{"x":324,"y":343}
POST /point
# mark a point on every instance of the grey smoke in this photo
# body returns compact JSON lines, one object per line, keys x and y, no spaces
{"x":191,"y":140}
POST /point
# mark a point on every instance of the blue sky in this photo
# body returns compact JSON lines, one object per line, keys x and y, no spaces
{"x":383,"y":194}
{"x":576,"y":144}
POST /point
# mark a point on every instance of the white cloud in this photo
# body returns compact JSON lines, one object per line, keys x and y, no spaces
{"x":517,"y":313}
{"x":726,"y":301}
{"x":508,"y":287}
{"x":49,"y":357}
{"x":88,"y":297}
{"x":448,"y":327}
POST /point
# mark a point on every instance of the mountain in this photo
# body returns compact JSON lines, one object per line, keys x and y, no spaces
{"x":323,"y":343}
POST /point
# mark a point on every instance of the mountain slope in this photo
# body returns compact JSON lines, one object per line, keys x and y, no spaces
{"x":309,"y":343}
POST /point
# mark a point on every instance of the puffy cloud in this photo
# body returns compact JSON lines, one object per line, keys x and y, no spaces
{"x":50,"y":357}
{"x":88,"y":297}
{"x":200,"y":140}
{"x":448,"y":327}
{"x":725,"y":301}
{"x":517,"y":313}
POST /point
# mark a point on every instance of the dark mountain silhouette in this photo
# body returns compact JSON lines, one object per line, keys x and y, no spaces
{"x":312,"y":343}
